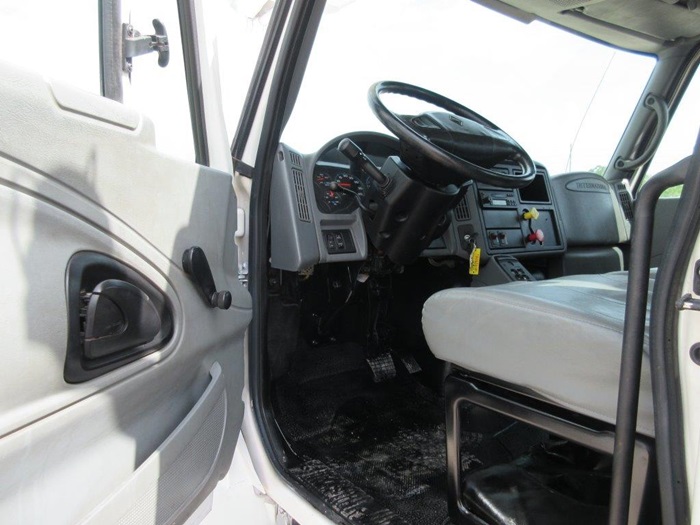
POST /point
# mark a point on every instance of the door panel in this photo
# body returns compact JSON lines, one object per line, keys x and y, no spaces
{"x":81,"y":173}
{"x":176,"y":468}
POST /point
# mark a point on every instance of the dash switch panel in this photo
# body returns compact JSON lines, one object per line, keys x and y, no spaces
{"x":338,"y":241}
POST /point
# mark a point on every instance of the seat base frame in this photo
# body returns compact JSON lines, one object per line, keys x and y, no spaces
{"x":461,"y":389}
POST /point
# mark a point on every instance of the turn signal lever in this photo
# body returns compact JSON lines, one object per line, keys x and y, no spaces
{"x":355,"y":155}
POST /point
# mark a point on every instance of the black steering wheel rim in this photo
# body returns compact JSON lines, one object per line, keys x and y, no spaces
{"x":462,"y":168}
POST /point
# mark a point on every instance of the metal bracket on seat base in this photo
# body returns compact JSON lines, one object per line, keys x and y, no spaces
{"x":598,"y":436}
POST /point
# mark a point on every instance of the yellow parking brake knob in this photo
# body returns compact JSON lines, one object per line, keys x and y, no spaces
{"x":532,"y":213}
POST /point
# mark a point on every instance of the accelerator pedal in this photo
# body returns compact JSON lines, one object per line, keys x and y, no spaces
{"x":411,"y":364}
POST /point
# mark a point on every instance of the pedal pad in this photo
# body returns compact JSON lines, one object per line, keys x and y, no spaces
{"x":382,"y":366}
{"x":411,"y":364}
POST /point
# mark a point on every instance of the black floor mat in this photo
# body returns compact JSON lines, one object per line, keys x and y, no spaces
{"x":376,"y":452}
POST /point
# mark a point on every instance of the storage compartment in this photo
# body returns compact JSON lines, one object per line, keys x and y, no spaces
{"x":536,"y":192}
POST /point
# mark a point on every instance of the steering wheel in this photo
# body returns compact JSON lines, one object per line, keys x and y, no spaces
{"x":454,"y":147}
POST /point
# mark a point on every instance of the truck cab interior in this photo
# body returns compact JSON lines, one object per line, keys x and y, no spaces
{"x":443,"y":268}
{"x":441,"y":319}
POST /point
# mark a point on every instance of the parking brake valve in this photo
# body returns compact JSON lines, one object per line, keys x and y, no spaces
{"x":531,"y":214}
{"x":536,"y":236}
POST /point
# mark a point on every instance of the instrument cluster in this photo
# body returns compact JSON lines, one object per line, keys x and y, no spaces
{"x":336,"y":189}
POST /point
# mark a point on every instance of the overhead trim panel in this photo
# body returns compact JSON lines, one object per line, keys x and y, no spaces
{"x":646,"y":26}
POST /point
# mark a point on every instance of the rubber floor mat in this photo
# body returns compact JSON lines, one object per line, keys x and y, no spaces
{"x":344,"y":497}
{"x":375,"y":453}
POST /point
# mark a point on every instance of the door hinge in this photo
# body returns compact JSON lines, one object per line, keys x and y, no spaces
{"x":135,"y":44}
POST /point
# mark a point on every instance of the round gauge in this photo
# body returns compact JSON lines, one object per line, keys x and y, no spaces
{"x":336,"y":191}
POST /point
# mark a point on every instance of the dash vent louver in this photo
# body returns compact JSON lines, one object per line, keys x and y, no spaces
{"x":518,"y":171}
{"x":295,"y":159}
{"x":302,"y":202}
{"x":625,"y":200}
{"x":462,"y":210}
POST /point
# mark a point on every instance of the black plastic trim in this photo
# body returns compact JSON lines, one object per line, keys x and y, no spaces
{"x":633,"y":341}
{"x":193,"y":70}
{"x":243,"y":169}
{"x":668,"y":410}
{"x":84,"y":272}
{"x":262,"y":72}
{"x":110,"y":29}
{"x":302,"y":25}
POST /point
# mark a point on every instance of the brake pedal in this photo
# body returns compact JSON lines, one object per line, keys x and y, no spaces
{"x":382,"y":366}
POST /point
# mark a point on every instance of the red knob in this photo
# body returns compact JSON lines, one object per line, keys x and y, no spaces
{"x":537,"y":236}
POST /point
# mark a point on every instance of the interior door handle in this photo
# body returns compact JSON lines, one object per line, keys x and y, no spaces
{"x":116,"y":315}
{"x":119,"y":317}
{"x":195,"y":264}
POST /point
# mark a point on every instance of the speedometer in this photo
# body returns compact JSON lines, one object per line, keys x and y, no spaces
{"x":337,"y":190}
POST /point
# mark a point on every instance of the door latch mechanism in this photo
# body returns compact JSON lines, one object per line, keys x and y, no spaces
{"x":135,"y":44}
{"x":687,"y":302}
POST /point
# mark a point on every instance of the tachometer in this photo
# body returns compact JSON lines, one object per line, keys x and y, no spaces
{"x":337,"y":190}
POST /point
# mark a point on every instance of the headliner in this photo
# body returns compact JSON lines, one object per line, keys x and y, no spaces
{"x":647,"y":26}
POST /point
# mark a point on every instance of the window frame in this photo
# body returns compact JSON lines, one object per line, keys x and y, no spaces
{"x":112,"y":76}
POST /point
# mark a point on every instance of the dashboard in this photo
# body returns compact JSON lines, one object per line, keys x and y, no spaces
{"x":316,"y":214}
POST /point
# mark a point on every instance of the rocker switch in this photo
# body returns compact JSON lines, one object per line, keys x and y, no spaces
{"x":338,"y":241}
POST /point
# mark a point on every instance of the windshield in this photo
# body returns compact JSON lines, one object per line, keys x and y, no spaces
{"x":565,"y":99}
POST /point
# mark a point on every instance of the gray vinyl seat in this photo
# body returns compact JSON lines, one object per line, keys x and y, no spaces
{"x":559,"y":340}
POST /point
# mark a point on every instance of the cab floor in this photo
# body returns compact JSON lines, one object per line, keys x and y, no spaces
{"x":375,"y":453}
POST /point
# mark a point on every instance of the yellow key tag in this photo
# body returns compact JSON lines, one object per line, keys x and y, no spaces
{"x":474,"y":261}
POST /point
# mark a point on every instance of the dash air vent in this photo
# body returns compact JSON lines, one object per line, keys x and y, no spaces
{"x":462,"y":210}
{"x":295,"y":159}
{"x":625,"y":200}
{"x":302,"y":203}
{"x":518,"y":171}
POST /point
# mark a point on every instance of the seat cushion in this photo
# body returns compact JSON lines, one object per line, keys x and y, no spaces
{"x":560,"y":339}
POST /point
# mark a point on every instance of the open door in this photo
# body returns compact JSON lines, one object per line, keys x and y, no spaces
{"x":120,"y":387}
